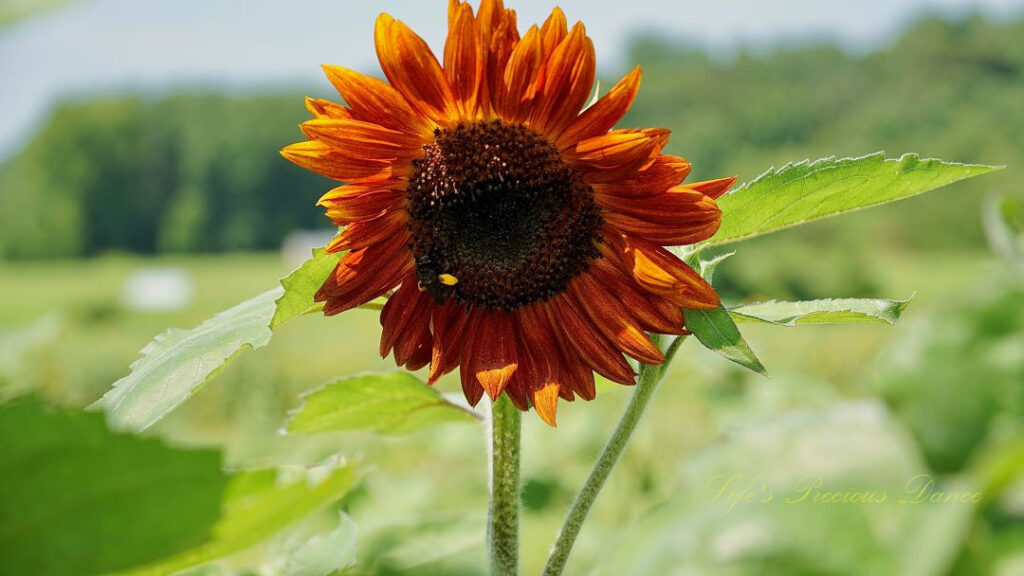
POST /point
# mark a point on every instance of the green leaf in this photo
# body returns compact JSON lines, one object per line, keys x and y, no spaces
{"x":831,"y":311}
{"x":806,"y":191}
{"x":258,"y":505}
{"x":178,"y":362}
{"x":301,"y":285}
{"x":716,"y":330}
{"x":392,"y":403}
{"x":77,"y":499}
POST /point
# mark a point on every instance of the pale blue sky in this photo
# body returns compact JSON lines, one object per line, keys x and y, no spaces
{"x":109,"y":45}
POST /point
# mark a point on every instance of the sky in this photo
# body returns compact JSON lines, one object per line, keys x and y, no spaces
{"x":104,"y":46}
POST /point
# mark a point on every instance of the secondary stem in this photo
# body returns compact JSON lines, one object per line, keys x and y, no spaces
{"x":650,"y":377}
{"x":503,"y":514}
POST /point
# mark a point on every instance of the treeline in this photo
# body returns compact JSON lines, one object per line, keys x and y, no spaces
{"x":201,"y":172}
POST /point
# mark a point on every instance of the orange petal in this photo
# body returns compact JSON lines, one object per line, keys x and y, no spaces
{"x":414,"y":338}
{"x":464,"y":58}
{"x":363,"y":139}
{"x":545,"y":401}
{"x":604,"y":114}
{"x":664,"y":173}
{"x":553,"y":31}
{"x":521,"y":79}
{"x":713,"y":188}
{"x":659,"y":271}
{"x":368,"y":232}
{"x":365,"y":274}
{"x":354,"y":207}
{"x":325,"y":159}
{"x":615,"y":320}
{"x":500,"y":35}
{"x":568,"y":82}
{"x":320,"y":108}
{"x":376,"y":101}
{"x":617,"y":155}
{"x":413,"y":70}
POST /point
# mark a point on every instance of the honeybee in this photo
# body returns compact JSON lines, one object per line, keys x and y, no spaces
{"x":437,"y":284}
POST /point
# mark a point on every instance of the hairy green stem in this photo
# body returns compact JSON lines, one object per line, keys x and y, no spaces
{"x":650,"y":377}
{"x":503,"y":426}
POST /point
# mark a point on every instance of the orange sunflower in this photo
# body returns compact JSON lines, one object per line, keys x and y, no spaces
{"x":523,"y":237}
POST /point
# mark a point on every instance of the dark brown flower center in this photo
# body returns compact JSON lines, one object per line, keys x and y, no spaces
{"x":498,"y":220}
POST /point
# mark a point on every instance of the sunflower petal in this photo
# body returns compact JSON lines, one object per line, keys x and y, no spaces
{"x":576,"y":328}
{"x":568,"y":82}
{"x":680,"y":216}
{"x":604,"y":114}
{"x":369,"y":232}
{"x":363,"y":275}
{"x":664,"y":173}
{"x":413,"y":70}
{"x":329,"y":161}
{"x":373,"y":100}
{"x":615,"y":320}
{"x":659,"y":271}
{"x":522,"y":78}
{"x":321,"y":108}
{"x":617,"y":155}
{"x":464,"y":58}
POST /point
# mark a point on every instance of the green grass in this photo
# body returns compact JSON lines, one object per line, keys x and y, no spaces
{"x":437,"y":477}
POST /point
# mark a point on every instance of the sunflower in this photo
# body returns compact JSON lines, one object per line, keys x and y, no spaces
{"x":523,"y":238}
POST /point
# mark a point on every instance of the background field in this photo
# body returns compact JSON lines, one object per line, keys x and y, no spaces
{"x":113,"y":185}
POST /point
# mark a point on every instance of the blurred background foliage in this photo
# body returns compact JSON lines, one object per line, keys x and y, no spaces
{"x":200,"y":173}
{"x":113,"y":185}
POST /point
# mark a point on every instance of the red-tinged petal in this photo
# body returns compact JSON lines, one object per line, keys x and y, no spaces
{"x":413,"y":70}
{"x":414,"y":339}
{"x":494,"y":357}
{"x":320,"y":108}
{"x":397,"y":312}
{"x":373,"y":100}
{"x":327,"y":160}
{"x":568,"y":82}
{"x":617,"y":155}
{"x":648,"y":313}
{"x":364,"y":275}
{"x":369,"y":232}
{"x":448,"y":322}
{"x":713,"y":188}
{"x":684,"y":229}
{"x":471,"y":388}
{"x":348,"y":209}
{"x":573,"y":325}
{"x":464,"y":58}
{"x":604,"y":114}
{"x":364,"y":139}
{"x":615,"y":320}
{"x":659,"y":271}
{"x":664,"y":173}
{"x":521,"y":79}
{"x":572,"y":372}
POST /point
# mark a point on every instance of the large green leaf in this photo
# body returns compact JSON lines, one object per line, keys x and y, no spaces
{"x":392,"y":403}
{"x":301,"y":285}
{"x":176,"y":363}
{"x":77,"y":499}
{"x":259,"y":505}
{"x":831,"y":311}
{"x":806,"y":191}
{"x":716,"y":330}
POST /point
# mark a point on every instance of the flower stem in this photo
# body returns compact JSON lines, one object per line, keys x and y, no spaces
{"x":650,"y":377}
{"x":503,"y":514}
